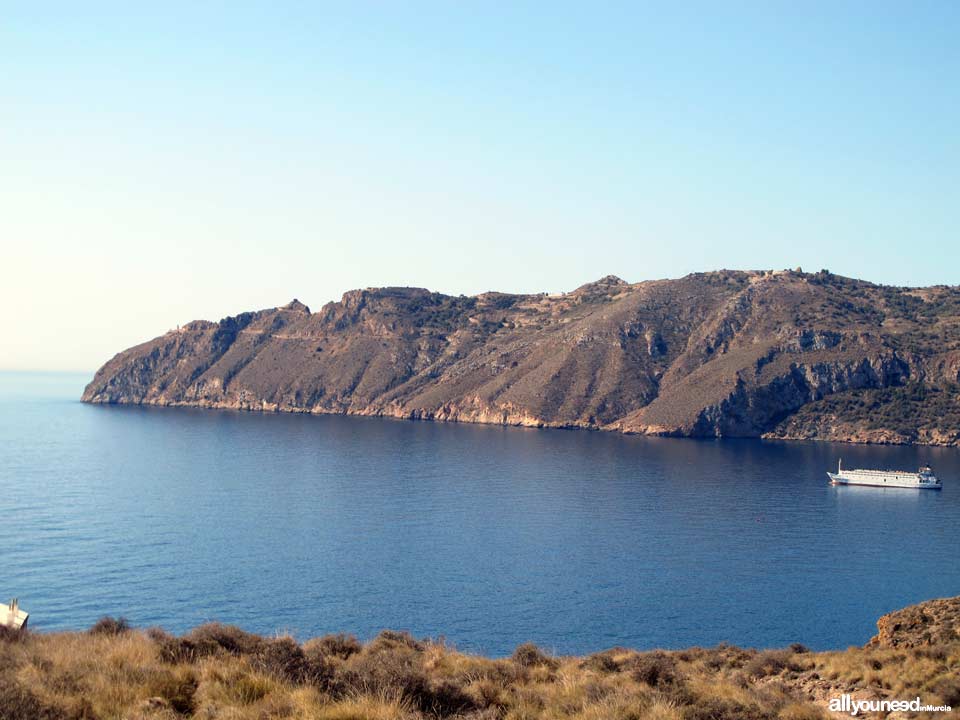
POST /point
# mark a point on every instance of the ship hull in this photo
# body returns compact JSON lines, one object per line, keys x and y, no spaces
{"x":836,"y":479}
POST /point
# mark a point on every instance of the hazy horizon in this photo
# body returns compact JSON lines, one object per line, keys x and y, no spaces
{"x":181,"y":162}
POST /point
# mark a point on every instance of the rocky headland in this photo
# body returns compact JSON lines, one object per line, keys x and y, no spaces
{"x":783,"y":354}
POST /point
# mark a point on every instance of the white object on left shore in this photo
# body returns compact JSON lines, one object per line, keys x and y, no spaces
{"x":12,"y":616}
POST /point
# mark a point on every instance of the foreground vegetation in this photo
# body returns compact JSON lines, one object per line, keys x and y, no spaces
{"x":218,"y":671}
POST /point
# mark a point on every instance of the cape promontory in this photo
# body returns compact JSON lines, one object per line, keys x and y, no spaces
{"x":782,"y":354}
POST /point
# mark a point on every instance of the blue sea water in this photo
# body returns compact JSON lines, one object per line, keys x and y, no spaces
{"x":487,"y":536}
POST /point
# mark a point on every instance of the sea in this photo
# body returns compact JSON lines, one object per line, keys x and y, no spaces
{"x":484,"y":536}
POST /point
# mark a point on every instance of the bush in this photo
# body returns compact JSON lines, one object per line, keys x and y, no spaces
{"x":948,"y":688}
{"x":213,"y":637}
{"x":320,"y":665}
{"x":392,"y":639}
{"x":392,"y":666}
{"x":602,"y":662}
{"x":283,"y":659}
{"x":110,"y":626}
{"x":443,"y":698}
{"x":656,"y":669}
{"x":176,"y":650}
{"x":712,"y":708}
{"x":204,"y":641}
{"x":177,"y":689}
{"x":18,"y":703}
{"x":800,"y":712}
{"x":9,"y":635}
{"x":340,"y":645}
{"x":716,"y":658}
{"x":529,"y":655}
{"x":771,"y":662}
{"x":382,"y":671}
{"x":158,"y":634}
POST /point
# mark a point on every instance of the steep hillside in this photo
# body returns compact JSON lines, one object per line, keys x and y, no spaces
{"x":728,"y":353}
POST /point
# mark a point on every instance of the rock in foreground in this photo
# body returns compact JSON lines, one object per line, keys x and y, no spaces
{"x":936,"y":622}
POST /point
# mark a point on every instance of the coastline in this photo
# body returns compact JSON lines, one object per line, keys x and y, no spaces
{"x":519,"y":420}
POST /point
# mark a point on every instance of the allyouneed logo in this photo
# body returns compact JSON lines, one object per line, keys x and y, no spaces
{"x":845,"y":703}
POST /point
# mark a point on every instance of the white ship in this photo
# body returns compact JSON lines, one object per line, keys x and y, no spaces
{"x":923,"y":478}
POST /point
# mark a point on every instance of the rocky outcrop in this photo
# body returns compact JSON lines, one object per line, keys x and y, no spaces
{"x":934,"y":622}
{"x":786,"y":354}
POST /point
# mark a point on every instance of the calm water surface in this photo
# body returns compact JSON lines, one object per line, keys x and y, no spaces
{"x":488,"y":536}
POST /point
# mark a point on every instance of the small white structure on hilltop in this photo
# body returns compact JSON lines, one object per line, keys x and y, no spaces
{"x":12,"y":616}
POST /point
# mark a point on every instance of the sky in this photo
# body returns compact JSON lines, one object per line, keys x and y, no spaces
{"x":163,"y":162}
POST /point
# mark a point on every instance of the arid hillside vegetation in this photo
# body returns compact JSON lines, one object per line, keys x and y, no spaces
{"x":218,"y":671}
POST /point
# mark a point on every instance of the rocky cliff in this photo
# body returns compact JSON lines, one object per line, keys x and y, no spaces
{"x":777,"y":354}
{"x":934,"y":622}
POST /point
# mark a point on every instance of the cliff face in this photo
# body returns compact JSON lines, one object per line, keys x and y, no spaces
{"x":784,"y":354}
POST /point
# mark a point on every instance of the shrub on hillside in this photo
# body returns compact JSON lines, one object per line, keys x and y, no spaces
{"x":529,"y":655}
{"x":771,"y":662}
{"x":110,"y":626}
{"x":176,"y":688}
{"x":656,"y":669}
{"x":947,"y":689}
{"x":19,"y":703}
{"x":602,"y":662}
{"x":214,"y":637}
{"x":715,"y":708}
{"x":393,"y":638}
{"x":9,"y":635}
{"x":282,"y":658}
{"x":340,"y":645}
{"x":391,"y":665}
{"x":205,"y":641}
{"x":320,"y":664}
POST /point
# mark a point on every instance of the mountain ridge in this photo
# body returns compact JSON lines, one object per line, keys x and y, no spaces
{"x":781,"y":354}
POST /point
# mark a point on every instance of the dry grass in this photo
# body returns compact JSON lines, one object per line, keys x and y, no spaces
{"x":220,"y":672}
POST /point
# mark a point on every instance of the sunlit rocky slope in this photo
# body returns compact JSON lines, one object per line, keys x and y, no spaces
{"x":780,"y":354}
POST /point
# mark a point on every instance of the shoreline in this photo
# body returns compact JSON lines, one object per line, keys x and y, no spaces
{"x":522,"y":421}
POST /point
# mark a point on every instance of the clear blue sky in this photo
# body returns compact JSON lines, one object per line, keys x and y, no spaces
{"x":198,"y":159}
